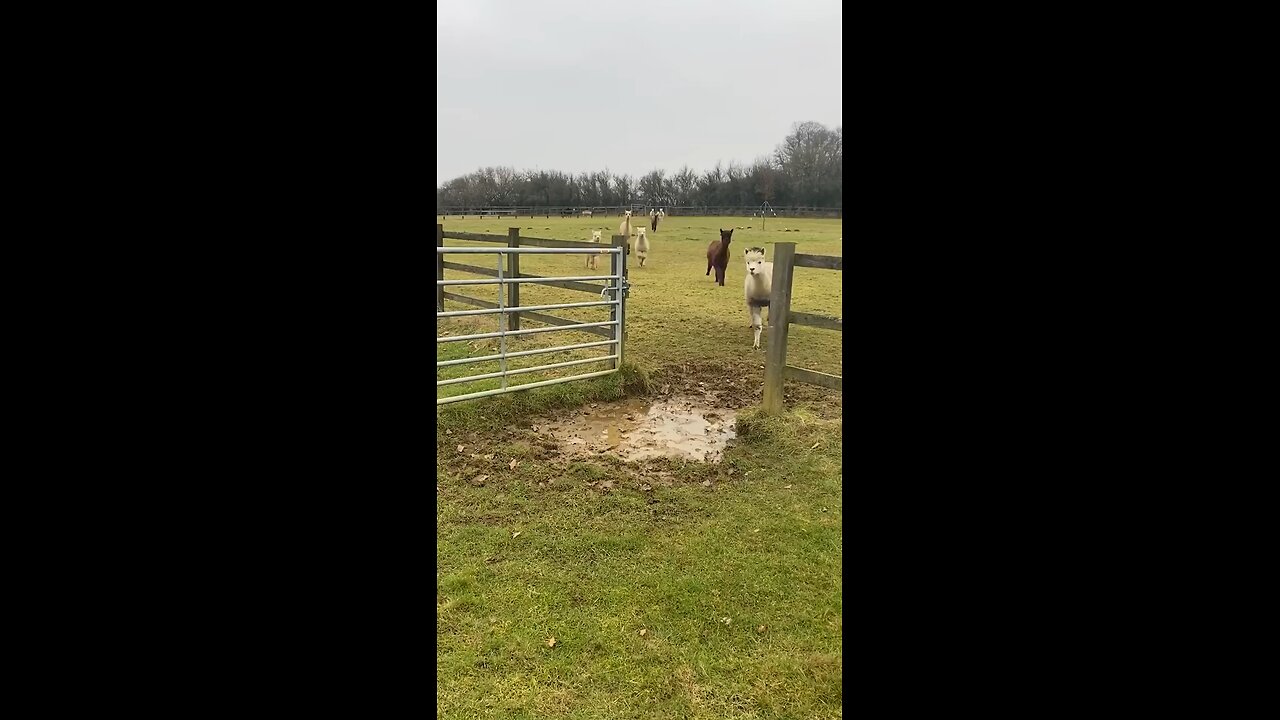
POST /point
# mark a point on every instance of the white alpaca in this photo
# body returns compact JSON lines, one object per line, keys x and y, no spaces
{"x":591,"y":259}
{"x":652,"y":212}
{"x":624,"y":228}
{"x":756,"y":288}
{"x":586,"y":213}
{"x":642,"y":245}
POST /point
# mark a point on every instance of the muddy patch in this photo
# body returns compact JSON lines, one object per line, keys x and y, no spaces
{"x":679,"y":427}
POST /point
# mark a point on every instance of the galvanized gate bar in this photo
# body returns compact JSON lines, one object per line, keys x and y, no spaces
{"x":602,"y":249}
{"x":542,"y":383}
{"x":522,"y":308}
{"x":442,"y":283}
{"x":522,"y":353}
{"x":530,"y":331}
{"x":504,"y":373}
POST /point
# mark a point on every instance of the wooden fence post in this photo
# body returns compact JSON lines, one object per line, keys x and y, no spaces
{"x":784,"y":254}
{"x":439,"y":268}
{"x":513,"y":271}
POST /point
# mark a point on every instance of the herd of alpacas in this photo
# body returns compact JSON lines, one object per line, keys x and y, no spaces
{"x":756,"y":286}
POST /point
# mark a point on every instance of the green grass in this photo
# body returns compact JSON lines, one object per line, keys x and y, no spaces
{"x":672,"y":547}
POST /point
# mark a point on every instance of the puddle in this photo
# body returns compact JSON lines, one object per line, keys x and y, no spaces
{"x":680,"y":427}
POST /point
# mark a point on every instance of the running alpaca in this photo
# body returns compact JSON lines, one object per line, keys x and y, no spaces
{"x":591,"y":259}
{"x":642,"y":245}
{"x":653,"y":219}
{"x":624,"y":227}
{"x":756,"y":288}
{"x":718,"y":255}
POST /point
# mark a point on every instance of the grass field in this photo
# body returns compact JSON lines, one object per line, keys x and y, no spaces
{"x":731,"y":570}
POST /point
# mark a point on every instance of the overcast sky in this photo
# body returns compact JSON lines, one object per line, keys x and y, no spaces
{"x":581,"y":85}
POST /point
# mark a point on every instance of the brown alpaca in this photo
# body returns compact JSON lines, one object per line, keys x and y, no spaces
{"x":718,"y":255}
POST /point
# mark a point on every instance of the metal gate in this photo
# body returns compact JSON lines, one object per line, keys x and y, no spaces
{"x":617,"y":285}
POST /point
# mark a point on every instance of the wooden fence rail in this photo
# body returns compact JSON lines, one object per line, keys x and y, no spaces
{"x":785,"y":261}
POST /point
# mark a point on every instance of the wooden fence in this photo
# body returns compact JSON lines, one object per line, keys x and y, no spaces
{"x":785,"y":261}
{"x":513,"y":238}
{"x":532,"y":211}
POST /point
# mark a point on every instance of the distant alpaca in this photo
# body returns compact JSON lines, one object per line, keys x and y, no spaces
{"x":624,"y":228}
{"x":586,"y":213}
{"x":653,"y":220}
{"x":591,"y":259}
{"x":642,"y":245}
{"x":756,"y":288}
{"x":718,"y":255}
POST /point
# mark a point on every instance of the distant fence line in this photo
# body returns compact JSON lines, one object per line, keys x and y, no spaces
{"x":518,"y":211}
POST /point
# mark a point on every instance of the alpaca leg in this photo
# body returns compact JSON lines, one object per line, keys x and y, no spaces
{"x":755,"y":325}
{"x":708,"y":267}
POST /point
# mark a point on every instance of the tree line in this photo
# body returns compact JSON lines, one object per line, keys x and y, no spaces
{"x":805,"y":169}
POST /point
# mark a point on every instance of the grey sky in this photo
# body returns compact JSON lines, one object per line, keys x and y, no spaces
{"x":581,"y":85}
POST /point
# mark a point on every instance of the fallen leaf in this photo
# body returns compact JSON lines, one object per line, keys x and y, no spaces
{"x":646,"y":487}
{"x":513,"y":464}
{"x":726,"y":620}
{"x":535,"y":428}
{"x":515,"y":535}
{"x":762,"y":628}
{"x":706,"y":483}
{"x":448,"y":432}
{"x":643,"y":632}
{"x":787,"y":487}
{"x":756,"y":530}
{"x":459,"y":448}
{"x":489,"y":456}
{"x":551,"y":642}
{"x":479,"y":480}
{"x":814,"y":446}
{"x":732,"y":471}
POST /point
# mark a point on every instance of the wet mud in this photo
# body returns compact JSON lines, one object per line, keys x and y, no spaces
{"x":679,"y":427}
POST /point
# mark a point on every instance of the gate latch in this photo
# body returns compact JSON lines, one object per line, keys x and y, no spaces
{"x":626,"y":289}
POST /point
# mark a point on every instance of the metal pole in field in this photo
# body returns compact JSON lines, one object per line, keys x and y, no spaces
{"x":513,"y":268}
{"x":439,"y":268}
{"x":622,"y":295}
{"x":615,"y":286}
{"x":502,"y":324}
{"x":784,"y":254}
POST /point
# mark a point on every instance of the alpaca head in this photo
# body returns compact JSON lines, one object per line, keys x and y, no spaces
{"x":595,"y":236}
{"x":725,"y":237}
{"x":627,"y":213}
{"x":640,"y":231}
{"x":755,"y":260}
